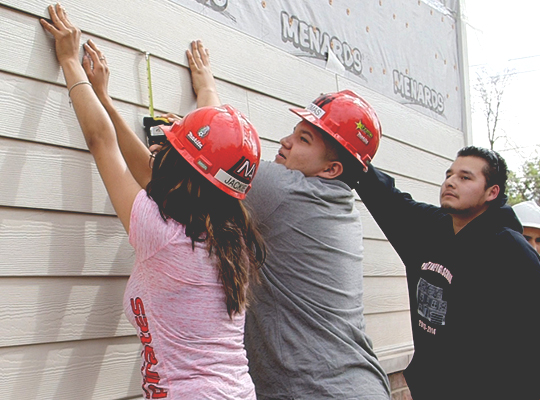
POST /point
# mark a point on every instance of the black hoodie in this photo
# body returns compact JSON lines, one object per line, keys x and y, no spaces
{"x":474,"y":296}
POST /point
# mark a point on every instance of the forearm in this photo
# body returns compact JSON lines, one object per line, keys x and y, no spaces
{"x":396,"y":212}
{"x":207,"y":97}
{"x":93,"y":119}
{"x":133,"y":149}
{"x":97,"y":127}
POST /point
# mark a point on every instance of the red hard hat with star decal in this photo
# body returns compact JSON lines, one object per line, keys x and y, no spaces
{"x":347,"y":118}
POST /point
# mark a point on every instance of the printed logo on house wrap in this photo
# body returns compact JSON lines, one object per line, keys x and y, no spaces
{"x":418,"y":93}
{"x":313,"y":42}
{"x":345,"y":38}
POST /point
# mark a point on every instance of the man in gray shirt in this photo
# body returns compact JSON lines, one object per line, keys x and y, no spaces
{"x":305,"y":330}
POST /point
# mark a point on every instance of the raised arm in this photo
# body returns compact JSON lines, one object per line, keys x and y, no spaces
{"x":96,"y":125}
{"x":133,"y":149}
{"x":402,"y":219}
{"x":202,"y":78}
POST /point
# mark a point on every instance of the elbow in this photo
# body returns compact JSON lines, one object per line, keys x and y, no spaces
{"x":99,"y":137}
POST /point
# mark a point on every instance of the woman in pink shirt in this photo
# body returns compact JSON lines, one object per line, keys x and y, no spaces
{"x":196,"y":247}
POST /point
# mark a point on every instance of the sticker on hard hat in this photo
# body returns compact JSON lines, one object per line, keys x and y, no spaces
{"x":201,"y":164}
{"x":362,"y":138}
{"x":245,"y":168}
{"x":363,"y":128}
{"x":316,"y":110}
{"x":196,"y":142}
{"x":203,"y":131}
{"x":230,"y":181}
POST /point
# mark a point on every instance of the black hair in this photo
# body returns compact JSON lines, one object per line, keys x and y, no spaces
{"x":336,"y":152}
{"x":211,"y":216}
{"x":495,"y":172}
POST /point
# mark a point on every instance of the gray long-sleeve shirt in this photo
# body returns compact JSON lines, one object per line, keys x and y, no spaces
{"x":305,"y":330}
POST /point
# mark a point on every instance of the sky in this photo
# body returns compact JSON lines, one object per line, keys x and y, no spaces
{"x":506,"y":34}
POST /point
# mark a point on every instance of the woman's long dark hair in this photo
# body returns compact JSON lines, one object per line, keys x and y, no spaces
{"x":212,"y":216}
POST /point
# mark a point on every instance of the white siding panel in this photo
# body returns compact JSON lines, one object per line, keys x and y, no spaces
{"x":42,"y":310}
{"x":40,"y":176}
{"x":45,"y":243}
{"x":396,"y":358}
{"x":231,"y":94}
{"x":381,"y":260}
{"x":389,"y":330}
{"x":385,"y":294}
{"x":271,"y":117}
{"x":39,"y":112}
{"x":392,"y":339}
{"x":420,"y":191}
{"x":20,"y":33}
{"x":400,"y":158}
{"x":87,"y":370}
{"x":171,"y":84}
{"x":370,"y":228}
{"x":268,"y":150}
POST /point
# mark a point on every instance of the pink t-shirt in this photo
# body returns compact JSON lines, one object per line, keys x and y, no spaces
{"x":191,"y":348}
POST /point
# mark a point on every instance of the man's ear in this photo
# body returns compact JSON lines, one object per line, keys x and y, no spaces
{"x":493,"y":192}
{"x":332,"y":170}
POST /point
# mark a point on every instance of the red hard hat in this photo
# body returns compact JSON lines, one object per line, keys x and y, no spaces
{"x":347,"y":118}
{"x":221,"y":144}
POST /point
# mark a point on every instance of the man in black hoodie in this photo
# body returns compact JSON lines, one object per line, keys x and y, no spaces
{"x":473,"y":280}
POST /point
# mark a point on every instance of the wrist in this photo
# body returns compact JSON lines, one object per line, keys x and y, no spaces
{"x":103,"y":96}
{"x":105,"y":100}
{"x":207,"y":91}
{"x":73,"y":71}
{"x":70,"y":63}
